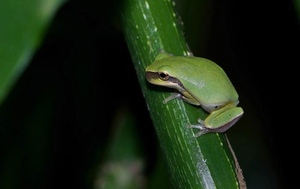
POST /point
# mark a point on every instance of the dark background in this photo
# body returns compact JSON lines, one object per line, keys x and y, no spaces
{"x":82,"y":75}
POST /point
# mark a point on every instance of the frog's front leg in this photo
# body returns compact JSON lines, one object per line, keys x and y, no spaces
{"x":172,"y":96}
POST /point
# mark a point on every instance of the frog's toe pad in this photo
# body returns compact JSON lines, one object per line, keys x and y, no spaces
{"x":201,"y":127}
{"x":200,"y":133}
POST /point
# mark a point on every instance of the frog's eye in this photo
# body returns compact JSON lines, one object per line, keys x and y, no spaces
{"x":163,"y":76}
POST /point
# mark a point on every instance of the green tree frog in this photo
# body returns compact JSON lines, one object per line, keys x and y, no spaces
{"x":200,"y":82}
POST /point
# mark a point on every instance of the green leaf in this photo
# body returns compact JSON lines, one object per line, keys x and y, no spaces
{"x":23,"y":24}
{"x":204,"y":162}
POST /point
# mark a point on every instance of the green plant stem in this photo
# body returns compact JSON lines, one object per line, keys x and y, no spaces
{"x":204,"y":162}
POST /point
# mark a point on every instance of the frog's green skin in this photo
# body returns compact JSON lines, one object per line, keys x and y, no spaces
{"x":200,"y":82}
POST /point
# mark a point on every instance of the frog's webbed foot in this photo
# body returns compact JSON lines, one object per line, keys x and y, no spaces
{"x":201,"y":127}
{"x":172,"y":96}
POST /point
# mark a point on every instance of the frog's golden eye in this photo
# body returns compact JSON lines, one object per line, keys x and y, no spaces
{"x":163,"y":76}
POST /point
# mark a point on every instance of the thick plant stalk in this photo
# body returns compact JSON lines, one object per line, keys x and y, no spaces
{"x":204,"y":162}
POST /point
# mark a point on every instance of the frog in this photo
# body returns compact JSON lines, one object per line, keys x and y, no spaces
{"x":200,"y":82}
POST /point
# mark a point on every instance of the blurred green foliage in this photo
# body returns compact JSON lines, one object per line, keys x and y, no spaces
{"x":23,"y":24}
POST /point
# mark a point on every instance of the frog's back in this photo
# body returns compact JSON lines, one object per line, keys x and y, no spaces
{"x":204,"y":79}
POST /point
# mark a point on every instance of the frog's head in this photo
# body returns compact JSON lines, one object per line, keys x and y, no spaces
{"x":162,"y":76}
